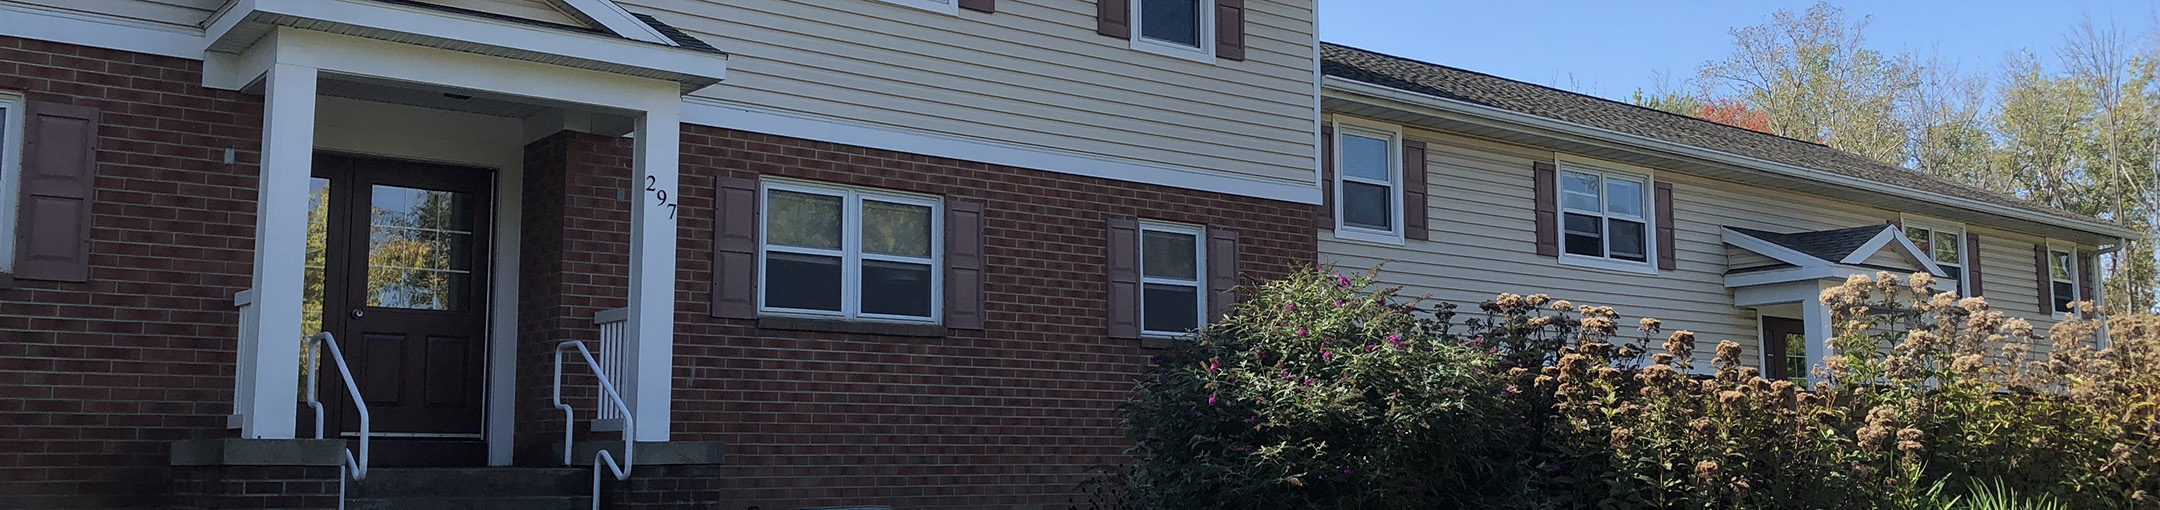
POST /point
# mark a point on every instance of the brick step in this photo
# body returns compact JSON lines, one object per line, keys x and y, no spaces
{"x":469,"y":485}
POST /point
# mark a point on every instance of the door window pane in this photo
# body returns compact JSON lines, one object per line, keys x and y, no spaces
{"x":803,"y":282}
{"x":420,"y":248}
{"x":1168,"y":255}
{"x":1366,"y":158}
{"x":1367,"y":205}
{"x":1796,"y":365}
{"x":896,"y":229}
{"x":803,"y":220}
{"x":1627,"y":240}
{"x":1170,"y":308}
{"x":1624,"y":198}
{"x":1172,"y":21}
{"x":895,"y":288}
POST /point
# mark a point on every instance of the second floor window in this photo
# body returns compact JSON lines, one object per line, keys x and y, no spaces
{"x":1947,"y":247}
{"x":1369,"y":182}
{"x":1602,"y":215}
{"x":849,"y":253}
{"x":1183,"y":28}
{"x":2062,"y":276}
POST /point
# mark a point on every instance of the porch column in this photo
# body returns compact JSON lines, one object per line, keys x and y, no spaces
{"x":651,"y":325}
{"x":269,"y":357}
{"x":1816,"y":316}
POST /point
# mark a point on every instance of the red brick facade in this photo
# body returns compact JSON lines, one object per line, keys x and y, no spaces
{"x":100,"y":378}
{"x":97,"y":379}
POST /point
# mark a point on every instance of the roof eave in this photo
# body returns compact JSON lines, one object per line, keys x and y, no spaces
{"x":1489,"y":113}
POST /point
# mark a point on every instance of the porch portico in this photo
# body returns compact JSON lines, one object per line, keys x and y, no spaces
{"x":1782,"y":276}
{"x":548,"y":80}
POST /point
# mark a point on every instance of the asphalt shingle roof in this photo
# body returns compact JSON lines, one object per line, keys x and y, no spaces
{"x":1829,"y":245}
{"x":1483,"y":89}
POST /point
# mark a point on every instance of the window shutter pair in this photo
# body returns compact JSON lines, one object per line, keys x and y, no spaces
{"x":735,"y":249}
{"x":1416,"y":203}
{"x":1123,"y":263}
{"x":1545,"y":186}
{"x":59,"y":173}
{"x":1113,"y":18}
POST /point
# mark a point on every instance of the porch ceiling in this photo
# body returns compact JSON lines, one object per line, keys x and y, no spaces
{"x":468,"y":101}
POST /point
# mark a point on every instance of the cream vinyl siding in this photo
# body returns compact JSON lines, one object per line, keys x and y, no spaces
{"x":184,"y":13}
{"x":1483,"y":244}
{"x":1740,"y":258}
{"x":1034,"y":74}
{"x":1895,"y":256}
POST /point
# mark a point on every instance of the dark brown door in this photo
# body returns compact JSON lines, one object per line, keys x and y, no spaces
{"x":1784,"y":348}
{"x":398,"y":259}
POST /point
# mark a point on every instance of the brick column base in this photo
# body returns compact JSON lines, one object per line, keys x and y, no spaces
{"x":666,"y":475}
{"x":277,"y":474}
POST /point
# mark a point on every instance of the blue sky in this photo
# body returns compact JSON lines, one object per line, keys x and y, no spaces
{"x":1610,"y":48}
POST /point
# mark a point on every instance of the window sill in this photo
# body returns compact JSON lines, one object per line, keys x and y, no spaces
{"x":920,"y":330}
{"x":1355,"y":234}
{"x":1603,"y":264}
{"x":949,"y":7}
{"x":1173,"y":50}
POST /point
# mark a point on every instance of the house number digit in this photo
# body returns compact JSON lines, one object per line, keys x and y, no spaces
{"x":660,"y":196}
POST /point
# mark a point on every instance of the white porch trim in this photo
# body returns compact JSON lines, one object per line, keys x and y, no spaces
{"x":1891,"y":235}
{"x":100,"y":32}
{"x":271,"y":357}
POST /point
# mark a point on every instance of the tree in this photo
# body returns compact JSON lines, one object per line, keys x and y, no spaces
{"x":1813,"y":79}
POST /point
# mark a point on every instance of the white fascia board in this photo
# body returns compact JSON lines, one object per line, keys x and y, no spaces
{"x":1797,"y":291}
{"x":334,"y":53}
{"x":611,"y":16}
{"x":28,"y":22}
{"x":1638,"y":142}
{"x":714,"y":113}
{"x":1770,"y":249}
{"x":1792,"y":274}
{"x":1890,"y":236}
{"x":392,"y":18}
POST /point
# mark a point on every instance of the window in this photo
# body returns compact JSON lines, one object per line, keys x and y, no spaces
{"x":11,"y":131}
{"x":1947,"y":247}
{"x":1179,"y":28}
{"x":1171,"y":262}
{"x":849,"y":253}
{"x":1368,"y":185}
{"x":1603,"y":217}
{"x":2062,"y":273}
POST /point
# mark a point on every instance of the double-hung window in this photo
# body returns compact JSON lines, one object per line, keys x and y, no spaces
{"x":1603,"y":217}
{"x":1172,"y":297}
{"x":849,"y":253}
{"x":1179,"y":28}
{"x":2062,"y":278}
{"x":1946,"y":246}
{"x":11,"y":133}
{"x":1368,"y":184}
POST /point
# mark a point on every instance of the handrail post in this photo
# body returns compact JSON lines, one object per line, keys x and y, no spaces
{"x":607,"y":390}
{"x":324,"y":341}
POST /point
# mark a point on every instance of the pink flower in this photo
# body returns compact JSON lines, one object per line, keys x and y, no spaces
{"x":1395,"y":340}
{"x":1211,"y":399}
{"x":1327,"y":355}
{"x":1301,"y":332}
{"x":1213,"y":365}
{"x":1344,"y":280}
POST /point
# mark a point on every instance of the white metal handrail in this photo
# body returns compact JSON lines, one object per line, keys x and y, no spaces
{"x":607,"y":389}
{"x":324,"y":341}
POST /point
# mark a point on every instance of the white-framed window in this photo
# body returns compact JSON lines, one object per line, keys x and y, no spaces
{"x":937,"y":6}
{"x":1368,"y":184}
{"x":1178,"y":28}
{"x":1173,"y":261}
{"x":1605,"y":219}
{"x":11,"y":143}
{"x":2063,"y":276}
{"x":849,"y":253}
{"x":1946,"y":245}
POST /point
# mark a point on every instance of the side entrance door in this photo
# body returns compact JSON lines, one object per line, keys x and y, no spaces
{"x":1784,"y":349}
{"x":397,"y":271}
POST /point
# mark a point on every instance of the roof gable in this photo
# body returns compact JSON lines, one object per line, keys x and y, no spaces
{"x":1880,"y":247}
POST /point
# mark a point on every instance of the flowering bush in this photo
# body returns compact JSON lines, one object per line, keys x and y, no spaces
{"x":1321,"y":392}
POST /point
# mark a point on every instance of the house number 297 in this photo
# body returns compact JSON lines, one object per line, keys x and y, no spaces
{"x":660,"y":196}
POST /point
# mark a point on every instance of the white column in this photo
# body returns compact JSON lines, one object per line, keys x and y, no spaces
{"x":270,"y":360}
{"x":1819,"y":330}
{"x":651,"y":327}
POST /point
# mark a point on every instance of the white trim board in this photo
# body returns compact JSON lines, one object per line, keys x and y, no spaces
{"x":85,"y":30}
{"x":707,"y":112}
{"x":611,"y":16}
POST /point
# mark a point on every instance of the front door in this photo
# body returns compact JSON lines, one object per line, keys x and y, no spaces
{"x":1784,"y":349}
{"x":397,"y":271}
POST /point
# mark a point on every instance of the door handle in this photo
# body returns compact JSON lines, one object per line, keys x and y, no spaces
{"x":358,"y":313}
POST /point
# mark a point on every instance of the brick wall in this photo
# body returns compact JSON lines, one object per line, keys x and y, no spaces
{"x":100,"y":377}
{"x":1013,"y":416}
{"x":263,"y":487}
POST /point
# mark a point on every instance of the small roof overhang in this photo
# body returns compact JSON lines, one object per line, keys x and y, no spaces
{"x":1821,"y":255}
{"x":664,"y":53}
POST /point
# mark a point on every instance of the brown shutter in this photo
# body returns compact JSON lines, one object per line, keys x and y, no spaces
{"x":1114,"y":18}
{"x":1230,"y":29}
{"x":59,"y":165}
{"x":1972,"y":264}
{"x":1123,"y":261}
{"x":2088,"y":275}
{"x":1545,"y":182}
{"x":2047,"y":283}
{"x":1222,"y":271}
{"x":1668,"y":252}
{"x":979,"y":5}
{"x":964,"y":264}
{"x":1327,"y":177}
{"x":1415,"y":211}
{"x":735,"y":244}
